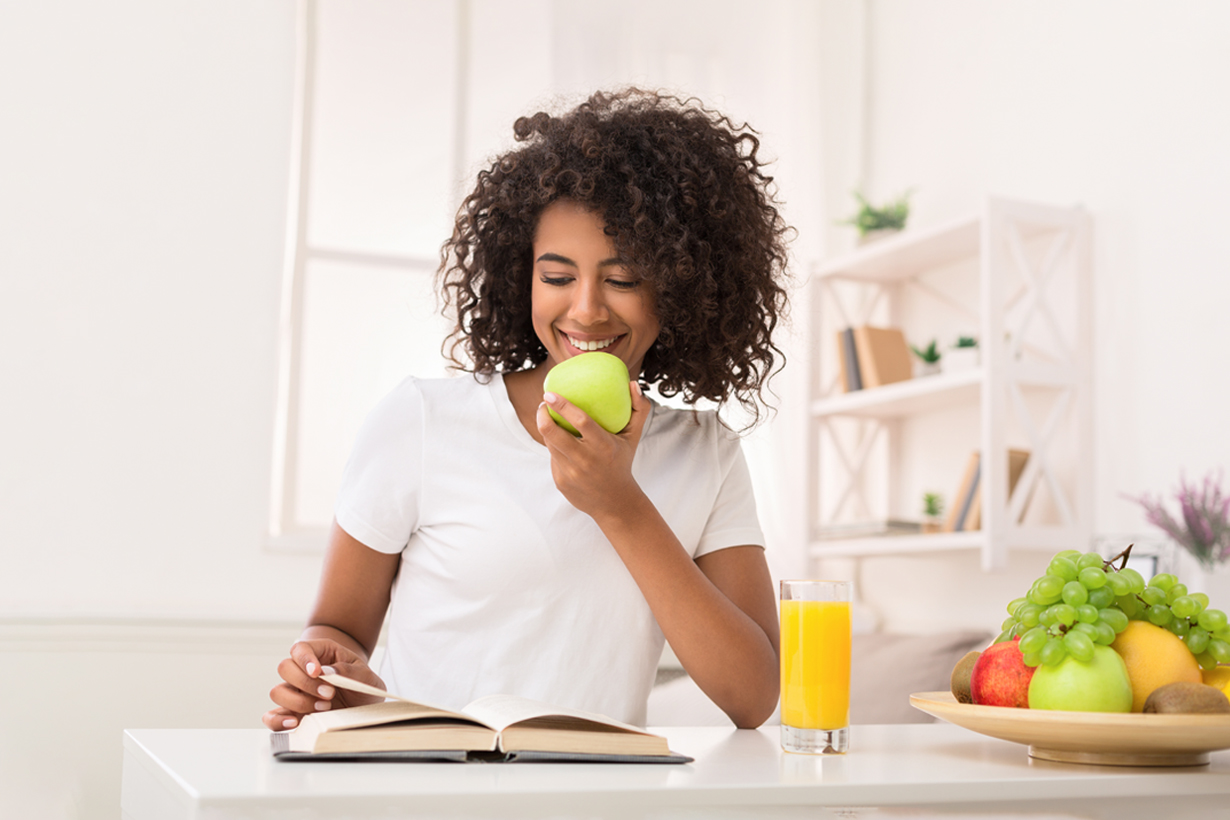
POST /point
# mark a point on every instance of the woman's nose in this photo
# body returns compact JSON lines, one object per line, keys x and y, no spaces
{"x":589,"y":307}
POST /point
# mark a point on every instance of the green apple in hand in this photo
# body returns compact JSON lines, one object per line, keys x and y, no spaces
{"x":597,"y":383}
{"x":1100,"y":684}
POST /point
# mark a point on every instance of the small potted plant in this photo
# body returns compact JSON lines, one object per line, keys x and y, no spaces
{"x":933,"y":508}
{"x":874,"y":222}
{"x":963,"y":355}
{"x":928,"y":357}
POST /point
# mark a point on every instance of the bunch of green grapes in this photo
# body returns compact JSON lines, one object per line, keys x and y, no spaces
{"x":1166,"y":603}
{"x":1083,"y":601}
{"x":1071,"y":609}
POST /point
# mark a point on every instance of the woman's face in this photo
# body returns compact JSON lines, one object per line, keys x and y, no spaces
{"x":584,"y":297}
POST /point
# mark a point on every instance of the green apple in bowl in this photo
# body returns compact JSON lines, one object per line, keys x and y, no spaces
{"x":597,"y":383}
{"x":1100,"y":684}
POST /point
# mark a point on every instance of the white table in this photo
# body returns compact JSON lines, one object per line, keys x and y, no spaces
{"x":215,"y":774}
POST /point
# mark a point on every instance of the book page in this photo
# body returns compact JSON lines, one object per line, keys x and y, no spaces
{"x":418,"y":709}
{"x":501,"y":711}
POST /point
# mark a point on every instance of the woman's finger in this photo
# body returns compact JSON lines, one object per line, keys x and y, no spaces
{"x":279,"y":720}
{"x":304,"y":655}
{"x":640,"y":414}
{"x":299,"y":701}
{"x":574,"y":415}
{"x":290,"y":672}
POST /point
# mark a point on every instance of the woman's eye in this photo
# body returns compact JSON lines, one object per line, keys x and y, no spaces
{"x":555,"y":280}
{"x":625,"y":284}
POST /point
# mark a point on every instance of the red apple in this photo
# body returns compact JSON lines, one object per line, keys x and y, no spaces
{"x":1000,"y":677}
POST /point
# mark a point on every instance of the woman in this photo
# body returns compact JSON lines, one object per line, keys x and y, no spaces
{"x":516,"y":557}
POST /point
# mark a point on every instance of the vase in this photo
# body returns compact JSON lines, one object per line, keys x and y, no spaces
{"x":961,"y":358}
{"x":1215,"y":583}
{"x":876,"y":235}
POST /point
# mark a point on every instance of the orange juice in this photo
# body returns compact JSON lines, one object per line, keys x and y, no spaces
{"x":815,"y":664}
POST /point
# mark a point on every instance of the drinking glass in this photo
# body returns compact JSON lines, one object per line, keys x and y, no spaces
{"x":815,"y":650}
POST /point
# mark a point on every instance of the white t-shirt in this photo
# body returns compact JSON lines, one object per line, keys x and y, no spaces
{"x":505,"y":587}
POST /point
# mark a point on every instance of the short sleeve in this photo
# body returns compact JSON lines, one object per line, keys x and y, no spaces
{"x":733,"y":521}
{"x":378,"y":500}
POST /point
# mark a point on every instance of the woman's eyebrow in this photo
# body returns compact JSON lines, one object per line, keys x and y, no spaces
{"x":564,"y":260}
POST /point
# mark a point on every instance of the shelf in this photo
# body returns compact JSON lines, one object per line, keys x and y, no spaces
{"x":920,"y":395}
{"x":897,"y":544}
{"x":908,"y":253}
{"x":1036,"y":344}
{"x":1046,"y":539}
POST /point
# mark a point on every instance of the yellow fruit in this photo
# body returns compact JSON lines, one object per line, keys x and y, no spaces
{"x":1154,"y":657}
{"x":1218,"y":676}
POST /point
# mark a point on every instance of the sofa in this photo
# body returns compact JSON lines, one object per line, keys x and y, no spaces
{"x":885,"y":669}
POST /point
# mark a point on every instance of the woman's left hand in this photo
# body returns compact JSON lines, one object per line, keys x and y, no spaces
{"x":594,"y":472}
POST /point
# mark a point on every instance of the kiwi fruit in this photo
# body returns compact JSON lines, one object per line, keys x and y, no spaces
{"x":961,"y":674}
{"x":1186,"y":697}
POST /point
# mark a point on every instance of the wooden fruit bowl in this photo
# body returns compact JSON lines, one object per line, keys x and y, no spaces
{"x":1089,"y":737}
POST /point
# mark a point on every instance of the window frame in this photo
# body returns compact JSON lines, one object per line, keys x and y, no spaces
{"x":284,"y":533}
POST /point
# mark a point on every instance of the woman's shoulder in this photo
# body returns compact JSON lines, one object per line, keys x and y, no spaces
{"x":450,"y":387}
{"x":414,"y":396}
{"x":692,"y":426}
{"x":419,"y":388}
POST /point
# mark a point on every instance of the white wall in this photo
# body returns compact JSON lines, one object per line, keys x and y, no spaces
{"x":144,"y":159}
{"x":143,"y":182}
{"x":1119,"y":106}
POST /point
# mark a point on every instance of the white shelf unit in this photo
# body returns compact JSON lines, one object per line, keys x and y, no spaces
{"x":1029,"y":266}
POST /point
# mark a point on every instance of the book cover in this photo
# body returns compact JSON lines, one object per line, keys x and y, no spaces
{"x":495,"y":728}
{"x":883,"y":356}
{"x":968,"y":499}
{"x":1016,"y":465}
{"x":964,"y":495}
{"x":851,"y":378}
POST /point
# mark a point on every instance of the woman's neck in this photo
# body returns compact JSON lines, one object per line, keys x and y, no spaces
{"x":525,"y":392}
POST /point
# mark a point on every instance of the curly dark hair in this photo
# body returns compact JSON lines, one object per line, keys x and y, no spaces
{"x":686,"y":199}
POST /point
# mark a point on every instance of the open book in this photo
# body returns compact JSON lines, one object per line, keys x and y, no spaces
{"x":495,"y":728}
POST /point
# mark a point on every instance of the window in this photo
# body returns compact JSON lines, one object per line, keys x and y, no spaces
{"x":375,"y":163}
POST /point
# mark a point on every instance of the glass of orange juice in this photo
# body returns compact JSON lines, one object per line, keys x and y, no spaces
{"x":815,"y":649}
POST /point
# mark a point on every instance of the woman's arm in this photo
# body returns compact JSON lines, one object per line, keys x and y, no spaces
{"x":344,"y":625}
{"x":718,"y":612}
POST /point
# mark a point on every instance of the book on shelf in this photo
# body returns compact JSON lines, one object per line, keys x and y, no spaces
{"x":851,"y":377}
{"x":883,"y":356}
{"x":867,"y":529}
{"x":966,"y":513}
{"x":495,"y":728}
{"x":1016,"y":465}
{"x":955,"y":521}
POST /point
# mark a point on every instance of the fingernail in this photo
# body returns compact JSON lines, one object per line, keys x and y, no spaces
{"x":637,"y":388}
{"x":323,"y":705}
{"x":550,"y":398}
{"x":290,"y":723}
{"x":325,"y":691}
{"x":311,"y":667}
{"x":328,"y":670}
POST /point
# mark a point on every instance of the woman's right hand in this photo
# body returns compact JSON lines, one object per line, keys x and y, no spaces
{"x":301,"y":693}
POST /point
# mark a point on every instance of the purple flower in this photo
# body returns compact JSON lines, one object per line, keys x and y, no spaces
{"x":1205,"y":513}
